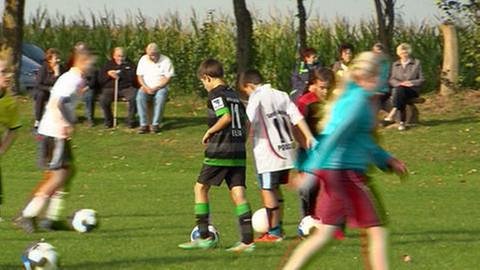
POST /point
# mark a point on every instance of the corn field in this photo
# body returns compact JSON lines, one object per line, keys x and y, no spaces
{"x":187,"y":43}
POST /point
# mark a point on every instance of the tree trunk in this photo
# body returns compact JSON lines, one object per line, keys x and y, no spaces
{"x":385,"y":10}
{"x":302,"y":26}
{"x":11,"y":40}
{"x":449,"y":77}
{"x":244,"y":36}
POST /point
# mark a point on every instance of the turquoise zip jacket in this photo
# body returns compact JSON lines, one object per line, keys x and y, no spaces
{"x":347,"y":140}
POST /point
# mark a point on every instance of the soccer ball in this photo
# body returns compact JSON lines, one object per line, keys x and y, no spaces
{"x":195,"y":234}
{"x":84,"y":220}
{"x":40,"y":256}
{"x":306,"y":225}
{"x":260,"y":221}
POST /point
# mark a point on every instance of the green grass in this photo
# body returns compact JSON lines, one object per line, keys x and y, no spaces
{"x":141,"y":185}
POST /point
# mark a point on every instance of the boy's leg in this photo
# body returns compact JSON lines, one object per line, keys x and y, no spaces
{"x":202,"y":208}
{"x":302,"y":254}
{"x":243,"y":212}
{"x":106,"y":99}
{"x":308,"y":194}
{"x":89,"y":99}
{"x":378,"y":248}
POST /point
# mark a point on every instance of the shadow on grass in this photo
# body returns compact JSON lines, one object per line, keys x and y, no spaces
{"x":461,"y":120}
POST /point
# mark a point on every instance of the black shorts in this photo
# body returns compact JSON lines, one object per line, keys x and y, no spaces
{"x":273,"y":180}
{"x":214,"y":176}
{"x":54,"y":153}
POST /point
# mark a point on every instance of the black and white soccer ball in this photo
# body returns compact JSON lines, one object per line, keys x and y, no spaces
{"x":40,"y":256}
{"x":307,"y":224}
{"x":84,"y":220}
{"x":195,"y":234}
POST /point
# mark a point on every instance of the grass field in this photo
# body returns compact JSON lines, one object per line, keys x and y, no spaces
{"x":141,"y":185}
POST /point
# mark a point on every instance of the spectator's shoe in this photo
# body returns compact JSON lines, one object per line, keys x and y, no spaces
{"x":269,"y":238}
{"x":25,"y":224}
{"x":143,"y":130}
{"x":240,"y":247}
{"x":53,"y":225}
{"x":156,"y":129}
{"x":402,"y":127}
{"x":199,"y":244}
{"x":387,"y":122}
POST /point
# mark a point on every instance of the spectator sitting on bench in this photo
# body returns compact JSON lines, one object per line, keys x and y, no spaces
{"x":123,"y":70}
{"x":406,"y":78}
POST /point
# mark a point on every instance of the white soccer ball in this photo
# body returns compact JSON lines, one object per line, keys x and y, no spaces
{"x":306,"y":225}
{"x":84,"y":220}
{"x":195,"y":234}
{"x":260,"y":221}
{"x":40,"y":256}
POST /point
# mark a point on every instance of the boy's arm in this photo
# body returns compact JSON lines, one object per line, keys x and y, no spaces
{"x":7,"y":140}
{"x":297,"y":120}
{"x":222,"y":123}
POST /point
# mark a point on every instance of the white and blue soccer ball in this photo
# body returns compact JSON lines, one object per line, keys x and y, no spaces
{"x":307,"y":224}
{"x":40,"y":256}
{"x":84,"y":220}
{"x":213,"y":232}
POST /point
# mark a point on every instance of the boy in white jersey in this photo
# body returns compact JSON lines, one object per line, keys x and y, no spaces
{"x":272,"y":114}
{"x":55,"y":154}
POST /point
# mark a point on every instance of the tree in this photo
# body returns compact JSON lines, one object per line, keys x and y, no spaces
{"x":302,"y":26}
{"x":11,"y":39}
{"x":450,"y":67}
{"x":244,"y":36}
{"x":386,"y":21}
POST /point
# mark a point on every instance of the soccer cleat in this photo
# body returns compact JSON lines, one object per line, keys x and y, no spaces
{"x":339,"y":235}
{"x":25,"y":224}
{"x":199,"y":244}
{"x":402,"y":126}
{"x":53,"y":225}
{"x":269,"y":238}
{"x":240,"y":247}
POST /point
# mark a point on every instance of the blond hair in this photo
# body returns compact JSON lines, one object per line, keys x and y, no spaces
{"x":404,"y":47}
{"x":366,"y":65}
{"x":152,"y":48}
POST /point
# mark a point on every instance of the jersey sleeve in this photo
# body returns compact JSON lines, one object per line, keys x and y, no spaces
{"x":294,"y":113}
{"x":219,"y":105}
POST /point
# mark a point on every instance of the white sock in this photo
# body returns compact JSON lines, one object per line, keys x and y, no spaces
{"x":34,"y":207}
{"x":56,"y":206}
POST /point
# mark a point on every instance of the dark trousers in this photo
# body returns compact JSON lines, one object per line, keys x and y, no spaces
{"x":401,"y":96}
{"x":41,"y":99}
{"x":107,"y":98}
{"x":89,"y":99}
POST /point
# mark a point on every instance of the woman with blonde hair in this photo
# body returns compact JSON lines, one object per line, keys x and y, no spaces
{"x":346,"y":148}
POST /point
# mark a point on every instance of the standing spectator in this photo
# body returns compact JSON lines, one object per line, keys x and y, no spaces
{"x":48,"y":75}
{"x":345,"y":54}
{"x":154,"y":72}
{"x":91,"y":84}
{"x":302,"y":71}
{"x":122,"y":69}
{"x":383,"y":93}
{"x":406,"y":79}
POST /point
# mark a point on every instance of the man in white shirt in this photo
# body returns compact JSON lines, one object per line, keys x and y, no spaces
{"x":272,"y":115}
{"x":154,"y":72}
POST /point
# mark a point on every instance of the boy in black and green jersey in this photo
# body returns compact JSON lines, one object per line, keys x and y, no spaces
{"x":224,"y":158}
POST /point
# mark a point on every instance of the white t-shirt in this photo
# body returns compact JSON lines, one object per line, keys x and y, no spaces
{"x":272,"y":114}
{"x":153,"y":72}
{"x":67,"y":86}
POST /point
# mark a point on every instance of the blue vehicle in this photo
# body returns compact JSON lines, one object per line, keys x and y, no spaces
{"x":32,"y":59}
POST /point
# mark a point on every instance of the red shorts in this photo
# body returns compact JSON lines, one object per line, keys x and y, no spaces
{"x":345,"y":198}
